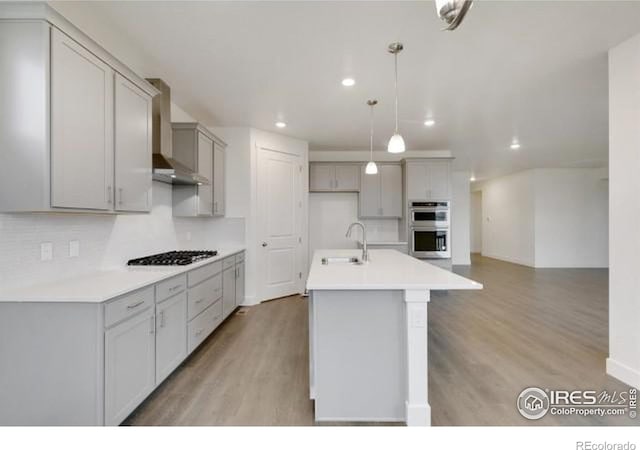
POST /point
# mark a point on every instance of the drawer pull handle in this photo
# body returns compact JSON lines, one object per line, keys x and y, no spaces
{"x":199,"y":301}
{"x":135,"y":305}
{"x":199,"y":332}
{"x":178,"y":286}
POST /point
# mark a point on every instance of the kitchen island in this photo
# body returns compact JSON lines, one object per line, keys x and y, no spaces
{"x":368,"y":335}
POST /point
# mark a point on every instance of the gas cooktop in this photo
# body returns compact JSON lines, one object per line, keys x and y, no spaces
{"x":175,"y":258}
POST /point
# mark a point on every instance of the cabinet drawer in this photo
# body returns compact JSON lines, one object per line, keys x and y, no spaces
{"x":204,"y":324}
{"x":203,"y":295}
{"x":199,"y":275}
{"x":170,"y":287}
{"x":239,"y":257}
{"x":128,"y":305}
{"x":228,"y":262}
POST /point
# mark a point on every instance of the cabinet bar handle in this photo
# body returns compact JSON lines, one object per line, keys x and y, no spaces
{"x":199,"y":301}
{"x":152,"y":322}
{"x":177,"y":286}
{"x":162,"y":319}
{"x":109,"y":200}
{"x":135,"y":305}
{"x":199,"y":332}
{"x":120,"y":196}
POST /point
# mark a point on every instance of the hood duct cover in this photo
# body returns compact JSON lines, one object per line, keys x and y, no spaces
{"x":165,"y":168}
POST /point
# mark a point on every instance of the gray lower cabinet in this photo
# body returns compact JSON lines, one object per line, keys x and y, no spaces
{"x":239,"y":279}
{"x":229,"y":290}
{"x":171,"y":335}
{"x":130,"y":368}
{"x":94,"y":363}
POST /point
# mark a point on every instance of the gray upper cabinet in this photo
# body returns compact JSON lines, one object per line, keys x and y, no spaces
{"x":74,"y":121}
{"x":81,"y":127}
{"x":132,"y":146}
{"x":428,"y":180}
{"x":218,"y":178}
{"x":381,"y":194}
{"x":334,"y":177}
{"x":200,"y":150}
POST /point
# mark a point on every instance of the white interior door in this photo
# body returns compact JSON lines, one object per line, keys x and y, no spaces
{"x":279,"y":224}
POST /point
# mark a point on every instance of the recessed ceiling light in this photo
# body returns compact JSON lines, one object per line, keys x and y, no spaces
{"x":429,"y":123}
{"x":515,"y":145}
{"x":472,"y":178}
{"x":281,"y":124}
{"x":348,"y":82}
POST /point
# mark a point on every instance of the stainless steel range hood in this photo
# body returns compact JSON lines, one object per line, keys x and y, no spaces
{"x":165,"y":168}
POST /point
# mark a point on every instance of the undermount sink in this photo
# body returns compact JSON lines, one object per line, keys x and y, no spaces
{"x":341,"y":260}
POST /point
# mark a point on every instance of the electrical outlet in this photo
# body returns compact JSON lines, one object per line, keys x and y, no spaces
{"x":46,"y":251}
{"x":74,"y":249}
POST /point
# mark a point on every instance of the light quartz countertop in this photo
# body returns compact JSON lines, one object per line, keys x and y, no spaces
{"x":103,"y":285}
{"x":370,"y":243}
{"x":386,"y":270}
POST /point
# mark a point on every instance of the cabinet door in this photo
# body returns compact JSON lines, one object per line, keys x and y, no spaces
{"x":81,"y":127}
{"x":171,"y":335}
{"x":438,"y":173}
{"x":390,"y":190}
{"x":129,"y":366}
{"x":417,"y":187}
{"x":132,"y":147}
{"x":205,"y":168}
{"x":321,"y":177}
{"x":369,"y":198}
{"x":347,"y":177}
{"x":228,"y":291}
{"x":218,"y":180}
{"x":239,"y":283}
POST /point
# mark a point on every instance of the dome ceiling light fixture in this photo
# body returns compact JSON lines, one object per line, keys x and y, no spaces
{"x":452,"y":12}
{"x":396,"y":143}
{"x":371,"y":168}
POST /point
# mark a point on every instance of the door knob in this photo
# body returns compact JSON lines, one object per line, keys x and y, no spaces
{"x":264,"y":244}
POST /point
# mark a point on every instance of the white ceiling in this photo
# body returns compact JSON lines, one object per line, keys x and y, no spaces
{"x":532,"y":70}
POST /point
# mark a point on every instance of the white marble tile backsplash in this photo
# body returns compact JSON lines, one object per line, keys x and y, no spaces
{"x":105,"y":241}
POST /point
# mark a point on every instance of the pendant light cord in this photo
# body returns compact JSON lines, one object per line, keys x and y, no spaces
{"x":396,"y":72}
{"x":371,"y":133}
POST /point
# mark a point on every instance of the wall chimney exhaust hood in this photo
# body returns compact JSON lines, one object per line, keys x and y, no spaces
{"x":165,"y":168}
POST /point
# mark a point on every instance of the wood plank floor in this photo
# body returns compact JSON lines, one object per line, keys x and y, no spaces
{"x":543,"y":327}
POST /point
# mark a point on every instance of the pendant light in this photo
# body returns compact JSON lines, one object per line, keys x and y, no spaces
{"x":396,"y":143}
{"x":452,"y":12}
{"x":371,"y":168}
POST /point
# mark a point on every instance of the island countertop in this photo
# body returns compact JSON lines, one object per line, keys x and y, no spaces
{"x":386,"y":270}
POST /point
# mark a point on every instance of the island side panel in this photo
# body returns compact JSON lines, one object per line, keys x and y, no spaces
{"x":51,"y":364}
{"x":418,"y":410}
{"x":359,"y":348}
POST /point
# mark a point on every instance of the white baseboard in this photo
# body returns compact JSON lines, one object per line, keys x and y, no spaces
{"x":418,"y":415}
{"x":250,"y":301}
{"x":623,"y":373}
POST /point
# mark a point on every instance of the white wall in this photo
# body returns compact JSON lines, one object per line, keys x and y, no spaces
{"x":546,"y":218}
{"x":624,"y":212}
{"x":460,"y":219}
{"x":508,"y":213}
{"x":106,"y":241}
{"x":331,"y":213}
{"x":572,"y":215}
{"x":476,"y":222}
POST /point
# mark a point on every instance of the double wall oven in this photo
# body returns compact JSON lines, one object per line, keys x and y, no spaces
{"x":429,"y":227}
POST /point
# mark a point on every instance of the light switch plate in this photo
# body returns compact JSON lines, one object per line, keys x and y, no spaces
{"x":74,"y":249}
{"x":46,"y":251}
